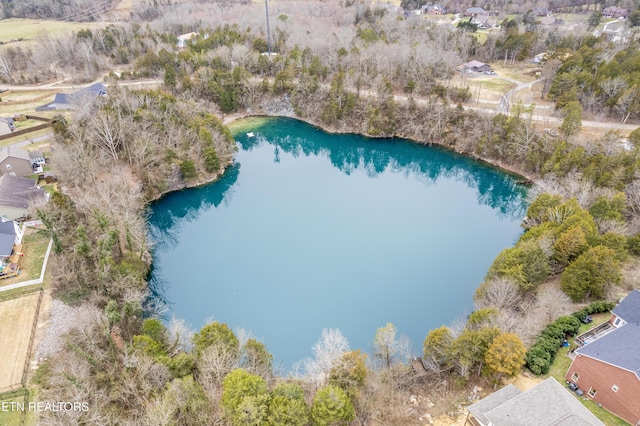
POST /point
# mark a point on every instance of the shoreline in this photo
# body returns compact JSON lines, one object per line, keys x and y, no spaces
{"x":524,"y":177}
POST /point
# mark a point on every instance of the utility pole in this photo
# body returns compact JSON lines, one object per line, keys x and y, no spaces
{"x":266,"y":8}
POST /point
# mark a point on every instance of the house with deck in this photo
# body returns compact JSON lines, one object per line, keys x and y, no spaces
{"x":606,"y":365}
{"x":16,"y":193}
{"x":546,"y":404}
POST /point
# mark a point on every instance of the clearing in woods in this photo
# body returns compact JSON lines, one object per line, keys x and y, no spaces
{"x":16,"y":317}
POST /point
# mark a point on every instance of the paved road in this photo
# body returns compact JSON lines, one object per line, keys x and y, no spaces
{"x":61,"y":85}
{"x":503,"y":106}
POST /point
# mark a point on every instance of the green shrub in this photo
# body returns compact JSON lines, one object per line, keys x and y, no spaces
{"x":188,"y":169}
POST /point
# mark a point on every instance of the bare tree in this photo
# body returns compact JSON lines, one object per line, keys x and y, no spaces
{"x":326,"y":351}
{"x":551,"y":303}
{"x":498,"y":292}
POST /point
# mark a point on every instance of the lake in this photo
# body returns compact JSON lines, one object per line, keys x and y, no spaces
{"x":309,"y":230}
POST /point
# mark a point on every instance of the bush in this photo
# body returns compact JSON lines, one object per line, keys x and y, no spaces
{"x":188,"y":169}
{"x":633,"y":245}
{"x":541,"y":355}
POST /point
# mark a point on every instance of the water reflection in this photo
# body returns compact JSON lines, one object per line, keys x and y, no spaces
{"x":167,"y":221}
{"x":351,"y":152}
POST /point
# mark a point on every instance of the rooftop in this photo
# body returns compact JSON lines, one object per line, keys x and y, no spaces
{"x":620,"y":347}
{"x":485,"y":405}
{"x":7,"y":237}
{"x":12,"y":151}
{"x":629,"y":308}
{"x":18,"y":191}
{"x":546,"y":404}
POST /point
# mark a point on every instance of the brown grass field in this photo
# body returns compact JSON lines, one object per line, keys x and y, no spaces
{"x":16,"y":317}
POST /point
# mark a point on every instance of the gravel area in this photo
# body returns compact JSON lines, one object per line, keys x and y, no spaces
{"x":62,"y":319}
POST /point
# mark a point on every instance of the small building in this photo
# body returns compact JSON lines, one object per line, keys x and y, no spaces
{"x":15,"y":161}
{"x":7,"y":126}
{"x":546,"y":404}
{"x":184,"y":39}
{"x":476,"y":66}
{"x":16,"y":193}
{"x":75,"y":100}
{"x":615,"y":12}
{"x":607,"y":366}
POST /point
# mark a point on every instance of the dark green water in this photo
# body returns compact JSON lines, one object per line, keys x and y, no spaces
{"x":309,"y":230}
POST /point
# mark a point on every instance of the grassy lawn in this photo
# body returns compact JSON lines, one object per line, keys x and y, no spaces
{"x":28,"y":29}
{"x":34,"y":247}
{"x":561,"y":364}
{"x":11,"y":416}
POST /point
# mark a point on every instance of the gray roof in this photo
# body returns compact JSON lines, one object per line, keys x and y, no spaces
{"x":480,"y":408}
{"x":546,"y":404}
{"x":7,"y":120}
{"x":70,"y":101}
{"x":477,"y":10}
{"x":629,"y":308}
{"x":36,"y":153}
{"x":12,"y":151}
{"x":7,"y":238}
{"x":18,"y":191}
{"x":620,"y":347}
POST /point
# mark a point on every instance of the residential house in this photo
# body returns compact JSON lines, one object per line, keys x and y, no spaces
{"x":10,"y":235}
{"x":6,"y":126}
{"x":184,"y":39}
{"x":546,"y":404}
{"x":476,"y":66}
{"x":435,"y":9}
{"x":15,"y":161}
{"x":475,"y":11}
{"x":16,"y":193}
{"x":485,"y":21}
{"x":607,"y":365}
{"x":74,"y":100}
{"x":615,"y":12}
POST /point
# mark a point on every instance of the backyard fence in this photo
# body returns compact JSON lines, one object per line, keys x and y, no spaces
{"x":32,"y":337}
{"x":25,"y":131}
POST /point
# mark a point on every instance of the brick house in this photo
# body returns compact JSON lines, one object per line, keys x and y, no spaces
{"x":615,"y":12}
{"x":607,"y":367}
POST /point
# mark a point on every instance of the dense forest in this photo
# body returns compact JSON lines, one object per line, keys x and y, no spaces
{"x":131,"y":146}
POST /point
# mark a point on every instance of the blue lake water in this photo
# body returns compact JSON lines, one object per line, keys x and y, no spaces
{"x":308,"y":230}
